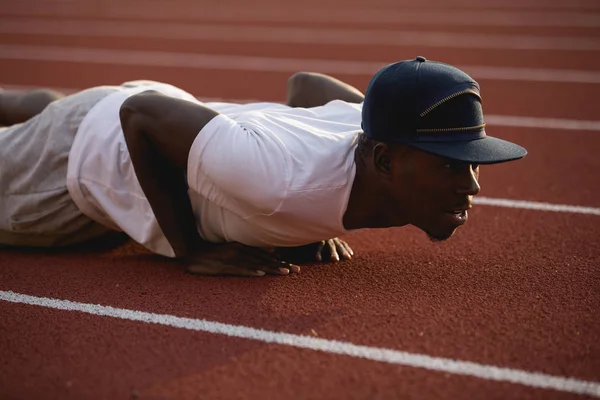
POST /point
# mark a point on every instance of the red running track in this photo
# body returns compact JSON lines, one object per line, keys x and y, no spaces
{"x":515,"y":288}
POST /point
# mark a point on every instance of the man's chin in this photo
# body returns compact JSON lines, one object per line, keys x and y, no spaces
{"x":440,"y":237}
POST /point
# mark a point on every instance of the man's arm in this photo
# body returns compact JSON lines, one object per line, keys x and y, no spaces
{"x":159,"y":132}
{"x":311,"y":89}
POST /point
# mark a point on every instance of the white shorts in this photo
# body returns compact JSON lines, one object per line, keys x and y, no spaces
{"x":35,"y":206}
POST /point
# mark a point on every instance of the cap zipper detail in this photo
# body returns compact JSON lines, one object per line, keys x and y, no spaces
{"x":465,"y":128}
{"x":445,"y":99}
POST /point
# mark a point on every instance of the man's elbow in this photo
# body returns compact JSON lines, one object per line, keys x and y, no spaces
{"x":296,"y":89}
{"x":137,"y":104}
{"x":132,"y":113}
{"x":125,"y":113}
{"x":132,"y":120}
{"x":130,"y":106}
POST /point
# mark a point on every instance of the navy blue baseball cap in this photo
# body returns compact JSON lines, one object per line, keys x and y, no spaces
{"x":434,"y":107}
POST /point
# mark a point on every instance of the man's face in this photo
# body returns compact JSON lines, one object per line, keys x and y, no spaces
{"x":433,"y":192}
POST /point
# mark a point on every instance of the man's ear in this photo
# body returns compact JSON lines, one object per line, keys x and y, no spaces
{"x":382,"y":158}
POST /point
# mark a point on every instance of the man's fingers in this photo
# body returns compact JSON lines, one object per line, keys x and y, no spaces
{"x":343,"y":252}
{"x":281,"y":268}
{"x":332,"y":246}
{"x":259,"y":259}
{"x":349,"y":249}
{"x":335,"y":248}
{"x":269,"y":264}
{"x":344,"y":249}
{"x":210,"y":270}
{"x":294,"y":268}
{"x":244,"y":268}
{"x":318,"y":254}
{"x":237,"y":259}
{"x":271,"y":267}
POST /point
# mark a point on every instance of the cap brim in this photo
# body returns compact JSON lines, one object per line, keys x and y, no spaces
{"x":487,"y":150}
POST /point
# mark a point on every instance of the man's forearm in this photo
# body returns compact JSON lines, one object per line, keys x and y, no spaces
{"x":166,"y":190}
{"x":310,"y":89}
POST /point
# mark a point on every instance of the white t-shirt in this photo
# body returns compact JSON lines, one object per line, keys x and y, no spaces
{"x":261,"y":174}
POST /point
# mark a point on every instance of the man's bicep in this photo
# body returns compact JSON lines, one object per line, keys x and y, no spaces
{"x":170,"y":124}
{"x":231,"y":164}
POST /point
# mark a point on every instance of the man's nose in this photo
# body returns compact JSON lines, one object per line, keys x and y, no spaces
{"x":469,"y":184}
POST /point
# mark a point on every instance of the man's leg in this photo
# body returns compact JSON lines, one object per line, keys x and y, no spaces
{"x":18,"y":106}
{"x":36,"y":208}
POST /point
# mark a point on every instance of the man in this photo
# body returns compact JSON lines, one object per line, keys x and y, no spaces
{"x":62,"y":223}
{"x":180,"y":176}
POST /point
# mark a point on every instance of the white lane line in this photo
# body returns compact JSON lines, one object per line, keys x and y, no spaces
{"x":435,"y":5}
{"x":532,"y":74}
{"x":267,"y":64}
{"x":274,"y":34}
{"x":491,"y":119}
{"x":544,"y":123}
{"x":199,"y":12}
{"x":534,"y":205}
{"x":488,"y":372}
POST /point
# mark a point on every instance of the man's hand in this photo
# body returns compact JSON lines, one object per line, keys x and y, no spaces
{"x":326,"y":250}
{"x":333,"y":249}
{"x":237,"y":259}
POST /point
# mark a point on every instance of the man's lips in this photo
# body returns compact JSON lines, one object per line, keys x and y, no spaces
{"x":459,"y":215}
{"x":459,"y":210}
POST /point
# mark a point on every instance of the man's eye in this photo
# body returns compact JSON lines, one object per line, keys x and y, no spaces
{"x":458,"y":166}
{"x":453,"y":165}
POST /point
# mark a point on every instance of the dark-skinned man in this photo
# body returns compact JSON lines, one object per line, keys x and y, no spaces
{"x":218,"y":185}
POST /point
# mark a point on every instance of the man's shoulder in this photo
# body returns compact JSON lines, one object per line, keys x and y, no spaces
{"x":333,"y":118}
{"x":134,"y":87}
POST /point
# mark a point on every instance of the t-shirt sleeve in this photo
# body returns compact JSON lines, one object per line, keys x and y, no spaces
{"x":241,"y":169}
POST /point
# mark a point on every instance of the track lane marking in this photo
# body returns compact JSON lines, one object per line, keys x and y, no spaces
{"x":439,"y":364}
{"x":269,"y":64}
{"x":544,"y":123}
{"x":274,"y":34}
{"x":196,"y":12}
{"x":535,"y":205}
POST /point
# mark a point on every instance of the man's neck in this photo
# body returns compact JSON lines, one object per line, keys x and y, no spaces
{"x":364,"y":205}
